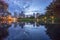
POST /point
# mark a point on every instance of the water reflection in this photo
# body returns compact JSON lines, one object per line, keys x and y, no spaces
{"x":28,"y":31}
{"x":53,"y":31}
{"x":3,"y":30}
{"x":21,"y":24}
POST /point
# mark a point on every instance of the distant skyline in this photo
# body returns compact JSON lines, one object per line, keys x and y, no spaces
{"x":28,"y":6}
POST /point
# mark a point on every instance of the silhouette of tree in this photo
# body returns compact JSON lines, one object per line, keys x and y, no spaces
{"x":54,"y":9}
{"x":4,"y":9}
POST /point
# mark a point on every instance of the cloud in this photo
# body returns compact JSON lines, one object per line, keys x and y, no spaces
{"x":18,"y":5}
{"x":27,"y":5}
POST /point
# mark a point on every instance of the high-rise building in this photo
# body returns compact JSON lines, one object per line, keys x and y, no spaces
{"x":34,"y":15}
{"x":15,"y":14}
{"x":22,"y":15}
{"x":37,"y":14}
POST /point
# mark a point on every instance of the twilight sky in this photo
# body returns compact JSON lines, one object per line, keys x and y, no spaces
{"x":28,"y":6}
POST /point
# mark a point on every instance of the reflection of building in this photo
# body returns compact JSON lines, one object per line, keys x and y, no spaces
{"x":21,"y":24}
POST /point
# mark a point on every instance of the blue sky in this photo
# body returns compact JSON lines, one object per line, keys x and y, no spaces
{"x":28,"y":6}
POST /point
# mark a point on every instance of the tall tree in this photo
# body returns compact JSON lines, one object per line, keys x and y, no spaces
{"x":54,"y":8}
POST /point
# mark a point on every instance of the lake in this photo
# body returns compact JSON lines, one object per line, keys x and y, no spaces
{"x":29,"y":31}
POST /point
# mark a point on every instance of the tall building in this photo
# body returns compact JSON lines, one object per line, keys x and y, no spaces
{"x":34,"y":15}
{"x":22,"y":15}
{"x":15,"y":14}
{"x":37,"y":14}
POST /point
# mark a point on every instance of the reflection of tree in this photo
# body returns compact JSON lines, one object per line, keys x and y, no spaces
{"x":3,"y":30}
{"x":35,"y":24}
{"x":53,"y":31}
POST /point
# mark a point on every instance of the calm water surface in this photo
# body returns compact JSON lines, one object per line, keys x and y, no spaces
{"x":29,"y":31}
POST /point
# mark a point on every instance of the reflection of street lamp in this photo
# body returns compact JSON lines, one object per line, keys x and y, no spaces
{"x":52,"y":17}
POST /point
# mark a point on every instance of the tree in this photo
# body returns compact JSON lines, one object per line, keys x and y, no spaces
{"x":3,"y":8}
{"x":54,"y":9}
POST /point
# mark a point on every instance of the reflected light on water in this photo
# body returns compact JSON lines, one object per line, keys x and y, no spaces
{"x":9,"y":22}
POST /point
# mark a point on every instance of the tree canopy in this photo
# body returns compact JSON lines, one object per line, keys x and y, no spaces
{"x":54,"y":8}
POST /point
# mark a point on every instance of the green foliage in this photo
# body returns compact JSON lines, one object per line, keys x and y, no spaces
{"x":25,"y":19}
{"x":54,"y":10}
{"x":32,"y":17}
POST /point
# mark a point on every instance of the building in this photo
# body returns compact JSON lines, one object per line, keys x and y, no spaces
{"x":37,"y":15}
{"x":21,"y":15}
{"x":15,"y":14}
{"x":34,"y":15}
